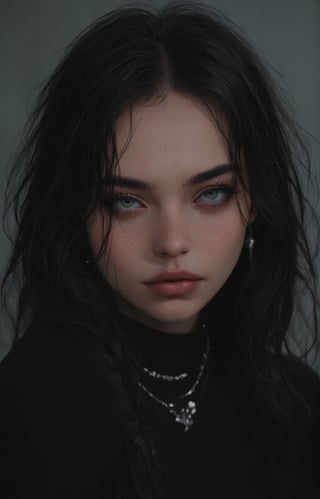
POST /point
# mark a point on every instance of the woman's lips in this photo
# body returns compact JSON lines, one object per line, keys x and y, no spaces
{"x":174,"y":283}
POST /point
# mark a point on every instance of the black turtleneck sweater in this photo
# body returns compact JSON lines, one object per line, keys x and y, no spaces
{"x":59,"y":436}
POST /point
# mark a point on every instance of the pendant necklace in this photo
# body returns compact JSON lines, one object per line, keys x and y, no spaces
{"x":184,"y":407}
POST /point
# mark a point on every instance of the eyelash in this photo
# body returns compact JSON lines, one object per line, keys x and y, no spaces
{"x":227,"y":191}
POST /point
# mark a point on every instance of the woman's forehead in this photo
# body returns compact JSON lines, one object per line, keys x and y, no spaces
{"x":177,"y":134}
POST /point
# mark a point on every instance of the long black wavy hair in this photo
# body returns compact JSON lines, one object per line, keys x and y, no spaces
{"x":135,"y":55}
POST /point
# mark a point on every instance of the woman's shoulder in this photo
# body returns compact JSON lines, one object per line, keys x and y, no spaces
{"x":49,"y":372}
{"x":57,"y":428}
{"x":303,"y":382}
{"x":303,"y":377}
{"x":47,"y":357}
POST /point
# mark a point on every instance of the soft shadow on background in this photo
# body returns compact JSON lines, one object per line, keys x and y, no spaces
{"x":35,"y":33}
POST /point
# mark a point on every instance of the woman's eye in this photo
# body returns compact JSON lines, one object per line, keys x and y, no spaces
{"x":125,"y":203}
{"x":215,"y":196}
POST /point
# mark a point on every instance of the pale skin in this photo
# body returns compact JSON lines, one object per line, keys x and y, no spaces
{"x":177,"y":221}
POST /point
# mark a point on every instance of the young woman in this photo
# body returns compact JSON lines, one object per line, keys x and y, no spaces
{"x":158,"y":258}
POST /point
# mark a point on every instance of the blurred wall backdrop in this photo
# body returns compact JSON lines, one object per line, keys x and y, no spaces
{"x":34,"y":33}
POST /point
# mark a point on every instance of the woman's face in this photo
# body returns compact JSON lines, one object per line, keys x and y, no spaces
{"x":178,"y":228}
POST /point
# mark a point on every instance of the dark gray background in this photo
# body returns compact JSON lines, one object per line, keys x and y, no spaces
{"x":33,"y":34}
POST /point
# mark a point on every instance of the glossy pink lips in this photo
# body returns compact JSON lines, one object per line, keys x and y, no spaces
{"x":174,"y":283}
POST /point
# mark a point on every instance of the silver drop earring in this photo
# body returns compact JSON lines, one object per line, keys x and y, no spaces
{"x":250,"y":242}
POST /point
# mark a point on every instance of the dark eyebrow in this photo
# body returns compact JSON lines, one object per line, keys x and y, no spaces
{"x":133,"y":183}
{"x":214,"y":172}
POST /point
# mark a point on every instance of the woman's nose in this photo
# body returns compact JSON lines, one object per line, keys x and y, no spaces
{"x":170,"y":236}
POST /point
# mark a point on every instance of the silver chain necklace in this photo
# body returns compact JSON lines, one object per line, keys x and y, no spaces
{"x":165,"y":377}
{"x":184,"y":410}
